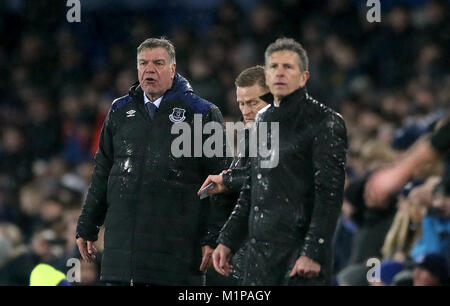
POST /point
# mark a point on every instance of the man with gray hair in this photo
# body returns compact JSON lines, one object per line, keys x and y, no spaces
{"x":289,"y":213}
{"x":157,"y":231}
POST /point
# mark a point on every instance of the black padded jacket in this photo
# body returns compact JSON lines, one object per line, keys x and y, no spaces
{"x":155,"y":224}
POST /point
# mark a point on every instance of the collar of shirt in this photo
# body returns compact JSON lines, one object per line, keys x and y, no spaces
{"x":156,"y":103}
{"x":261,"y":111}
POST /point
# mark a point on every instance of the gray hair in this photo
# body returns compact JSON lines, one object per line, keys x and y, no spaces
{"x":288,"y":44}
{"x":151,"y":43}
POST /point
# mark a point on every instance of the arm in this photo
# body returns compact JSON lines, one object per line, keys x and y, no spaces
{"x":329,"y":159}
{"x":94,"y":209}
{"x":388,"y":180}
{"x":234,"y":232}
{"x":230,"y":180}
{"x":234,"y":179}
{"x":235,"y":229}
{"x":215,"y":210}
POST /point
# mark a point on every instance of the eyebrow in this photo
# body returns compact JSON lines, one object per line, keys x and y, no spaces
{"x":155,"y":60}
{"x":282,"y":64}
{"x":248,"y":101}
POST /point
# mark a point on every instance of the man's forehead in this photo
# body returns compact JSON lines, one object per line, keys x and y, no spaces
{"x":283,"y":55}
{"x":249,"y":93}
{"x":244,"y":99}
{"x":254,"y":90}
{"x":153,"y":54}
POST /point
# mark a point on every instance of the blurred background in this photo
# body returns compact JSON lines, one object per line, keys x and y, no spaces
{"x":390,"y":81}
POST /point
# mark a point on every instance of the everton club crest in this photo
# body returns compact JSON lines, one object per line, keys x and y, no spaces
{"x":177,"y":115}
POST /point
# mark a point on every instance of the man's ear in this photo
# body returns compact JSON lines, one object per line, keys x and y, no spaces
{"x":266,"y":78}
{"x":173,"y":69}
{"x":304,"y":78}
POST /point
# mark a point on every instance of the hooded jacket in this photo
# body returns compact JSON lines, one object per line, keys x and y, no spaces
{"x":291,"y":209}
{"x":155,"y":224}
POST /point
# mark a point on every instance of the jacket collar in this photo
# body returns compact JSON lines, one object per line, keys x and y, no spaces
{"x":180,"y":86}
{"x":298,"y":94}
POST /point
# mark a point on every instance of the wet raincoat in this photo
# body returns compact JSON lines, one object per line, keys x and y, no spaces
{"x":291,"y":209}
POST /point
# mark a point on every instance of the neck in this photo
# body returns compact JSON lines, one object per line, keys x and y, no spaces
{"x":277,"y":100}
{"x":153,"y":97}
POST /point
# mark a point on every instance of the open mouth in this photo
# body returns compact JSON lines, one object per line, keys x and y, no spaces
{"x":150,"y":80}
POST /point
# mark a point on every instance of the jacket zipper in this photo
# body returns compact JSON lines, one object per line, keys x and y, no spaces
{"x":135,"y":213}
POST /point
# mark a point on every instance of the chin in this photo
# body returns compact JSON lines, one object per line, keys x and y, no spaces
{"x":280,"y":93}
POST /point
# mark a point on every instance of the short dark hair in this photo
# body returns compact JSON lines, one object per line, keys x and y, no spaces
{"x":151,"y":43}
{"x":251,"y":76}
{"x":288,"y":44}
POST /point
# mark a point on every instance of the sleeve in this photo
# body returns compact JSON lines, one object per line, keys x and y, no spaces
{"x":217,"y":208}
{"x":235,"y":229}
{"x":329,"y":159}
{"x":234,"y":179}
{"x":94,"y":208}
{"x":440,"y":140}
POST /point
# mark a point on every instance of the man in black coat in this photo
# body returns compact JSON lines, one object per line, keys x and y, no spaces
{"x":157,"y":230}
{"x":250,"y":86}
{"x":289,"y":205}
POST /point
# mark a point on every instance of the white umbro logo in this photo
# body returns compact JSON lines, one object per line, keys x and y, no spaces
{"x":131,"y":113}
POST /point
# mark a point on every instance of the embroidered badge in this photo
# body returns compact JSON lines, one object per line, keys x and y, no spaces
{"x":177,"y":115}
{"x":131,"y":113}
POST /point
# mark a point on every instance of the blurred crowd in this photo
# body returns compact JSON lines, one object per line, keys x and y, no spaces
{"x":389,"y":80}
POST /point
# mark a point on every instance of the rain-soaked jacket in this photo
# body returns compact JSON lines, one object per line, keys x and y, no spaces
{"x":234,"y":180}
{"x":291,"y":209}
{"x":155,"y":224}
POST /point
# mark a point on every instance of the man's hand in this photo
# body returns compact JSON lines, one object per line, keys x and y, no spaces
{"x":221,"y":257}
{"x":218,"y":186}
{"x":206,"y":258}
{"x":87,"y":249}
{"x":305,"y":267}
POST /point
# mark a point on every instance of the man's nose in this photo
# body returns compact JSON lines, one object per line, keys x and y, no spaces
{"x":279,"y":72}
{"x":150,"y":68}
{"x":247,"y":110}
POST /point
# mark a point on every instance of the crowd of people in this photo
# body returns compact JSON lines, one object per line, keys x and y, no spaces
{"x":390,"y":81}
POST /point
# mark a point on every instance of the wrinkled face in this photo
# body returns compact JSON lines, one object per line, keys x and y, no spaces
{"x":283,"y":74}
{"x":155,"y":72}
{"x":249,"y":102}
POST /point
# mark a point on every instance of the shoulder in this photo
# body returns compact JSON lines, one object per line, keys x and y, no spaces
{"x":120,"y":102}
{"x":322,"y":114}
{"x":198,"y":105}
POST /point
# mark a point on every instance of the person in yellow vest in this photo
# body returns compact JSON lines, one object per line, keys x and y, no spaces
{"x":46,"y":275}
